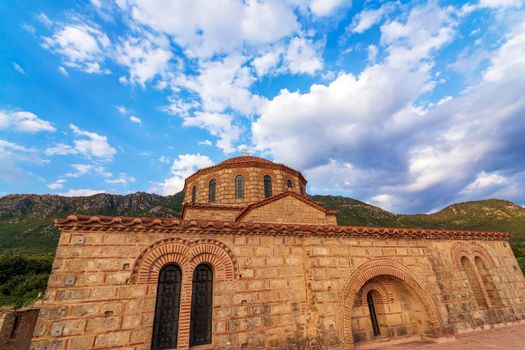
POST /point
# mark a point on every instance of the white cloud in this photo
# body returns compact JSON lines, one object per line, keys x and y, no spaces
{"x":217,"y":124}
{"x":63,"y":71}
{"x":23,"y":121}
{"x":11,"y":154}
{"x":205,"y":143}
{"x":60,"y":149}
{"x":81,"y":46}
{"x":145,"y":57}
{"x":183,"y":166}
{"x":122,"y":179}
{"x":301,"y":57}
{"x":91,"y":144}
{"x":204,"y":28}
{"x":265,"y":63}
{"x":368,"y":18}
{"x":57,"y":185}
{"x":327,"y":7}
{"x":18,"y":68}
{"x":135,"y":119}
{"x":83,"y":169}
{"x":500,"y":3}
{"x":81,"y":192}
{"x":372,"y":53}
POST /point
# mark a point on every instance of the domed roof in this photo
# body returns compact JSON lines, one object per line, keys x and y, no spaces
{"x":245,"y":159}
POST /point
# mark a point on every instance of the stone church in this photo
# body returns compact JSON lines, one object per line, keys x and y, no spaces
{"x":253,"y":263}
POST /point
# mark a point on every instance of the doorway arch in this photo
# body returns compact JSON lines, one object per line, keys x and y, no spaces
{"x":400,"y":280}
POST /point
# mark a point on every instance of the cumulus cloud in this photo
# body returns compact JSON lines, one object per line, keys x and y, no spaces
{"x":83,"y":169}
{"x":24,"y":121}
{"x":182,"y":167}
{"x":368,"y":18}
{"x":220,"y":125}
{"x":88,"y":144}
{"x":301,"y":57}
{"x":11,"y":155}
{"x":145,"y":57}
{"x":122,"y":179}
{"x":326,"y":7}
{"x":91,"y":144}
{"x":81,"y":46}
{"x":204,"y":28}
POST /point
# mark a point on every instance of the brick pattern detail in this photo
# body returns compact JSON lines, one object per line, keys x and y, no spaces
{"x":470,"y":250}
{"x":384,"y":295}
{"x":378,"y":267}
{"x":186,"y":254}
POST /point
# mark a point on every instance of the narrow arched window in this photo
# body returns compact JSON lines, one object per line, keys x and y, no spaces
{"x":289,"y":184}
{"x":488,"y":282}
{"x":193,"y":195}
{"x":239,"y":186}
{"x":201,"y":305}
{"x":166,"y":324}
{"x":473,"y":281}
{"x":302,"y":190}
{"x":212,"y":189}
{"x":267,"y":186}
{"x":372,"y":312}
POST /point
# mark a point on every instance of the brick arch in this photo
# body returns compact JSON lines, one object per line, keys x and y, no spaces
{"x":216,"y":254}
{"x":470,"y":250}
{"x":478,"y":251}
{"x":380,"y":288}
{"x":153,"y":258}
{"x":387,"y":267}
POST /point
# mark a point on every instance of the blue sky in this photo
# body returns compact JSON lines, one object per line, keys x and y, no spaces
{"x":410,"y":106}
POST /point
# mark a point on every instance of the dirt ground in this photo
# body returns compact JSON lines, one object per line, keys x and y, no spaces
{"x":508,"y":338}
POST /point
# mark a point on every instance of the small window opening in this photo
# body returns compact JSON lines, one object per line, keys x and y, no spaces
{"x":212,"y":190}
{"x":16,"y":323}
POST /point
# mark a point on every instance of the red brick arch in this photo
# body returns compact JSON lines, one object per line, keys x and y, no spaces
{"x":380,"y":288}
{"x":186,"y":254}
{"x":217,"y":255}
{"x":383,"y":267}
{"x":470,"y":250}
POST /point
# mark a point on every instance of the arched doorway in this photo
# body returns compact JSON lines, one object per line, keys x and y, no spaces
{"x":387,"y":308}
{"x":402,"y":306}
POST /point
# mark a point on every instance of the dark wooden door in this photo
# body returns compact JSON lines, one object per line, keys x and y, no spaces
{"x":201,"y":305}
{"x":166,"y":324}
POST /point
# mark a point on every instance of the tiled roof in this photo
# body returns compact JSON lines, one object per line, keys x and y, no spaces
{"x":149,"y":224}
{"x":246,"y":161}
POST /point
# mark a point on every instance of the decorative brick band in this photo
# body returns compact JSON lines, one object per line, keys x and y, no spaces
{"x":378,"y":267}
{"x":186,"y":254}
{"x":172,"y":225}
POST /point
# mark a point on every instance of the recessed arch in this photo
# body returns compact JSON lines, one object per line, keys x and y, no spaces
{"x":380,"y":267}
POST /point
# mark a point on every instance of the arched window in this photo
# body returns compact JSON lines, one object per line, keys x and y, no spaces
{"x":289,"y":184}
{"x":488,"y":282}
{"x":212,"y":189}
{"x":373,"y":315}
{"x":473,"y":281}
{"x":201,"y":305}
{"x":166,"y":324}
{"x":239,"y":186}
{"x":267,"y":186}
{"x":193,"y":195}
{"x":302,"y":190}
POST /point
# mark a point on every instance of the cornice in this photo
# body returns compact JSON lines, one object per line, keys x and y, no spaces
{"x":277,"y":197}
{"x":148,"y":224}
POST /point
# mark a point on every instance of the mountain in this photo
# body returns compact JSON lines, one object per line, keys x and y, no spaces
{"x":28,"y":238}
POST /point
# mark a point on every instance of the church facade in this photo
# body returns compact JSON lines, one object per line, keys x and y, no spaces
{"x":253,"y":263}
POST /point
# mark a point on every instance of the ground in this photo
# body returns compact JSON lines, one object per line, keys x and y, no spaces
{"x":509,"y":337}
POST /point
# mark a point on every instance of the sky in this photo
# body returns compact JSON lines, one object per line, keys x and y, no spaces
{"x":410,"y":106}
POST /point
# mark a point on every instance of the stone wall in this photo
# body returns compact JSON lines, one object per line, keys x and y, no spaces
{"x":16,"y":328}
{"x":273,"y":290}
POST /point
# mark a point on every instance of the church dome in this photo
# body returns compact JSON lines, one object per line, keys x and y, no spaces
{"x":241,"y":181}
